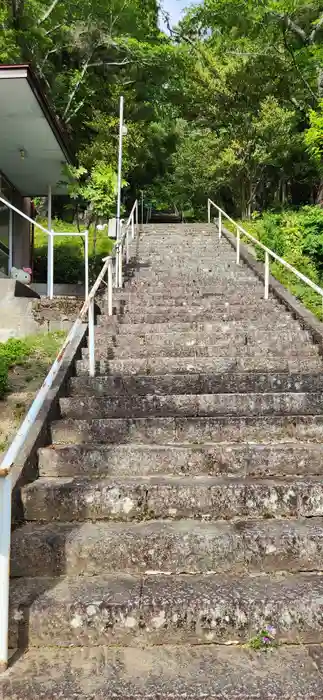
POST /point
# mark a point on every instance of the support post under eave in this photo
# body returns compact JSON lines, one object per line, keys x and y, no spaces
{"x":49,"y":243}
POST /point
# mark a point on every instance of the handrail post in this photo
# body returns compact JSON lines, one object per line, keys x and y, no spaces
{"x":91,"y":339}
{"x":86,"y":261}
{"x":127,"y":244}
{"x":116,"y":270}
{"x":120,"y":261}
{"x":238,"y":246}
{"x":266,"y":295}
{"x":209,"y":211}
{"x":5,"y":534}
{"x":51,"y":265}
{"x":110,"y":309}
{"x":220,"y":224}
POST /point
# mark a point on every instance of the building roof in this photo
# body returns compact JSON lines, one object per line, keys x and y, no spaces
{"x":33,"y":145}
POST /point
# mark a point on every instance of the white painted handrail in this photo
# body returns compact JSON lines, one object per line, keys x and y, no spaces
{"x":7,"y":481}
{"x":51,"y":234}
{"x":268,"y":252}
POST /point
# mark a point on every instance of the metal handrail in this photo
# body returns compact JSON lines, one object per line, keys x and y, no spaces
{"x":268,"y":252}
{"x":51,"y":234}
{"x":7,"y":480}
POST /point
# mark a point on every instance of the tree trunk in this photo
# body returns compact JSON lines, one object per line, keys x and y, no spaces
{"x":319,"y":196}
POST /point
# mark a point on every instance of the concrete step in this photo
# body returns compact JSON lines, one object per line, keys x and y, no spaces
{"x":178,"y":547}
{"x":223,"y":337}
{"x":191,"y":286}
{"x":163,"y":431}
{"x":192,"y":405}
{"x":284,"y":323}
{"x":225,"y":296}
{"x":243,"y":382}
{"x":239,"y":460}
{"x":165,"y":672}
{"x":131,"y":611}
{"x":170,"y":497}
{"x":270,"y":347}
{"x":288,"y":362}
{"x":190,"y":292}
{"x":159,"y":314}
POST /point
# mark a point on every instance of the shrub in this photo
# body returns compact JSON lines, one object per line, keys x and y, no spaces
{"x":69,"y":254}
{"x":13,"y":352}
{"x":68,"y":264}
{"x":3,"y":377}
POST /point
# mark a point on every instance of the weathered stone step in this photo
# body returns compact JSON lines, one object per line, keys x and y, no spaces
{"x":117,"y":385}
{"x":189,"y":292}
{"x":160,"y":314}
{"x":193,"y":405}
{"x":193,"y":284}
{"x":284,"y":323}
{"x":270,"y":347}
{"x":167,"y":610}
{"x":244,"y":460}
{"x":204,"y":365}
{"x":221,"y":338}
{"x":225,"y":296}
{"x":196,"y":286}
{"x":210,"y":672}
{"x":179,"y":547}
{"x":198,"y":609}
{"x":170,"y":497}
{"x":163,"y":431}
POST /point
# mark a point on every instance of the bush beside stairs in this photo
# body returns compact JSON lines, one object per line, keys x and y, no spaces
{"x":179,"y":509}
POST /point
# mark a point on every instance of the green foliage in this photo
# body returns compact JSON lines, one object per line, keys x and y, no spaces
{"x":314,"y":135}
{"x":265,"y":640}
{"x":69,"y":253}
{"x":296,"y":236}
{"x":98,"y":188}
{"x":13,"y":352}
{"x":41,"y":348}
{"x":3,"y":377}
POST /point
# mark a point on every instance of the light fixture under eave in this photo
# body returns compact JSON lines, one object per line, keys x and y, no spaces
{"x":22,"y":153}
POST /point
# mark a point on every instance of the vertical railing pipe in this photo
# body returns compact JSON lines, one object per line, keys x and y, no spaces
{"x":51,"y":266}
{"x":266,"y":295}
{"x":238,"y":246}
{"x":91,"y":339}
{"x":86,"y":261}
{"x":110,"y":284}
{"x":5,"y":534}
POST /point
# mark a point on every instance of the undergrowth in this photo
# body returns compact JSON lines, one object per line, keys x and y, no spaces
{"x":36,"y":353}
{"x":296,"y":236}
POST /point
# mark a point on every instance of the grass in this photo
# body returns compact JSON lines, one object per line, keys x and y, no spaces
{"x":311,"y":300}
{"x":24,"y":364}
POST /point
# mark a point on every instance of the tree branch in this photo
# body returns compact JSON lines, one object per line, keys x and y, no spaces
{"x":125,"y":62}
{"x":77,"y":85}
{"x":291,"y":53}
{"x":75,"y":111}
{"x":188,"y":40}
{"x":315,"y":31}
{"x":48,"y":12}
{"x":53,"y":29}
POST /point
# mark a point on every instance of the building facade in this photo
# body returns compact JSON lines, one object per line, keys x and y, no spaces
{"x":33,"y":153}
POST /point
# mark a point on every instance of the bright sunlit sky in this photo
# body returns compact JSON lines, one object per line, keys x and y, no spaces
{"x":174,"y":7}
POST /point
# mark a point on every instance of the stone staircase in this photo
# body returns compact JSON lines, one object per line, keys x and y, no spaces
{"x":180,"y":506}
